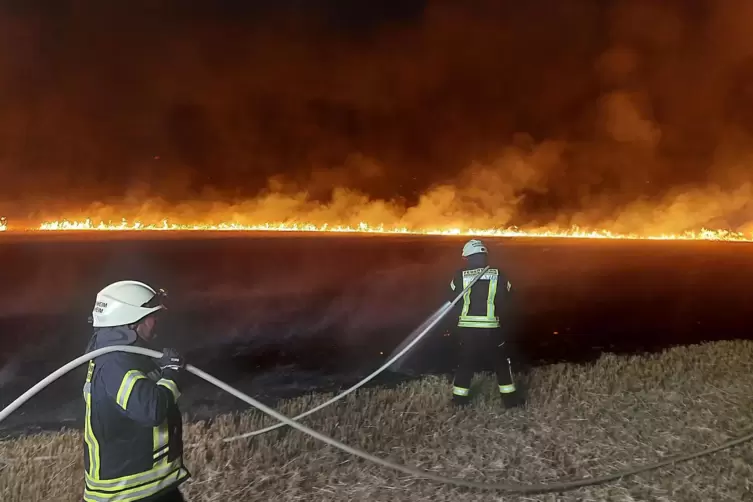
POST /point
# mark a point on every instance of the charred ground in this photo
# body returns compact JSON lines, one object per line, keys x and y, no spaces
{"x":284,"y":314}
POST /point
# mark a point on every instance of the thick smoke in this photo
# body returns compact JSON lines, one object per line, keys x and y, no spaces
{"x":630,"y":115}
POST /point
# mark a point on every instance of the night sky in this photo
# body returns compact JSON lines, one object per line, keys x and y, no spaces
{"x":631,"y":115}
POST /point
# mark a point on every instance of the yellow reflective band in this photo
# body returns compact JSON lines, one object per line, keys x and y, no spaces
{"x":172,"y":386}
{"x":138,"y":479}
{"x":475,"y":322}
{"x":160,"y":440}
{"x":90,"y":371}
{"x":484,"y":318}
{"x":92,"y":445}
{"x":139,"y":492}
{"x":89,"y":375}
{"x":507,"y":389}
{"x":126,"y":387}
{"x":490,"y":298}
{"x":460,"y":391}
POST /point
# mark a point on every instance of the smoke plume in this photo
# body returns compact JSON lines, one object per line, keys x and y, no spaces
{"x":632,"y":115}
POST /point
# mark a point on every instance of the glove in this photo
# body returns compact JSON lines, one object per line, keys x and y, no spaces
{"x":171,"y":363}
{"x":172,"y":360}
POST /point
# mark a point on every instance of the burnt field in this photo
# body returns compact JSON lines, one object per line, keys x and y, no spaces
{"x":284,"y":314}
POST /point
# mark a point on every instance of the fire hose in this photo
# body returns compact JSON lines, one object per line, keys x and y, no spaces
{"x":398,"y":353}
{"x":512,"y":488}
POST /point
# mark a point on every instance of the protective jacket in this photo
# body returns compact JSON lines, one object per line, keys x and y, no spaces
{"x":133,"y":446}
{"x":488,"y":299}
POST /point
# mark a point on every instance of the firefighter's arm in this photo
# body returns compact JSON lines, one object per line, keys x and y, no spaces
{"x":509,"y":309}
{"x":453,"y":290}
{"x":141,"y":399}
{"x":456,"y":286}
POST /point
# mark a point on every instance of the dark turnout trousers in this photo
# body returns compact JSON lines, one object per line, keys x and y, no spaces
{"x":171,"y":496}
{"x":474,"y":343}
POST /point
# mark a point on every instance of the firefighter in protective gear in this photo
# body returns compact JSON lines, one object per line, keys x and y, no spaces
{"x":478,"y":323}
{"x":133,"y":445}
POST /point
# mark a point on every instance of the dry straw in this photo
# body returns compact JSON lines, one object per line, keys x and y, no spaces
{"x":580,"y":421}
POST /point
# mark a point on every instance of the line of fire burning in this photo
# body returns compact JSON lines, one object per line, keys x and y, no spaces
{"x":574,"y":232}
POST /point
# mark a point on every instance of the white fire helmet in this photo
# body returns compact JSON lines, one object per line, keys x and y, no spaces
{"x":125,"y":302}
{"x":473,"y":246}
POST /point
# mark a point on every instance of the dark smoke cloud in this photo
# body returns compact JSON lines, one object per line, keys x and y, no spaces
{"x":632,"y":115}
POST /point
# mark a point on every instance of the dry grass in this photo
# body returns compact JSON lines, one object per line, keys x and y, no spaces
{"x":580,"y":421}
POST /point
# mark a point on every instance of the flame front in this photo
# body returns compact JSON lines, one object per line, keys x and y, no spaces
{"x":124,"y":225}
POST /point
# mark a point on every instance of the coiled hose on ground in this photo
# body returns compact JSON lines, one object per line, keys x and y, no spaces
{"x":557,"y":486}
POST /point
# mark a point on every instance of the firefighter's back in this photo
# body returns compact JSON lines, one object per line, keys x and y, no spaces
{"x":481,"y":306}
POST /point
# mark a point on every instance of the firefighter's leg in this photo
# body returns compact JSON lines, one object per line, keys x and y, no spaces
{"x":505,"y":380}
{"x":461,"y":386}
{"x":171,"y":496}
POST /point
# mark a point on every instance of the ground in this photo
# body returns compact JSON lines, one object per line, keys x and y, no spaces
{"x":580,"y":420}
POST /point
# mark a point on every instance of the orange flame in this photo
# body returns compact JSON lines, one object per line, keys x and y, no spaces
{"x":575,"y":232}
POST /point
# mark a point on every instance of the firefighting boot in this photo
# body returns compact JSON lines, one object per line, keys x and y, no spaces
{"x":461,"y":401}
{"x":461,"y":396}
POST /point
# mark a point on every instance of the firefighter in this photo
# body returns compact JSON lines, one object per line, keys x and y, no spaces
{"x":133,"y":445}
{"x":478,"y":324}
